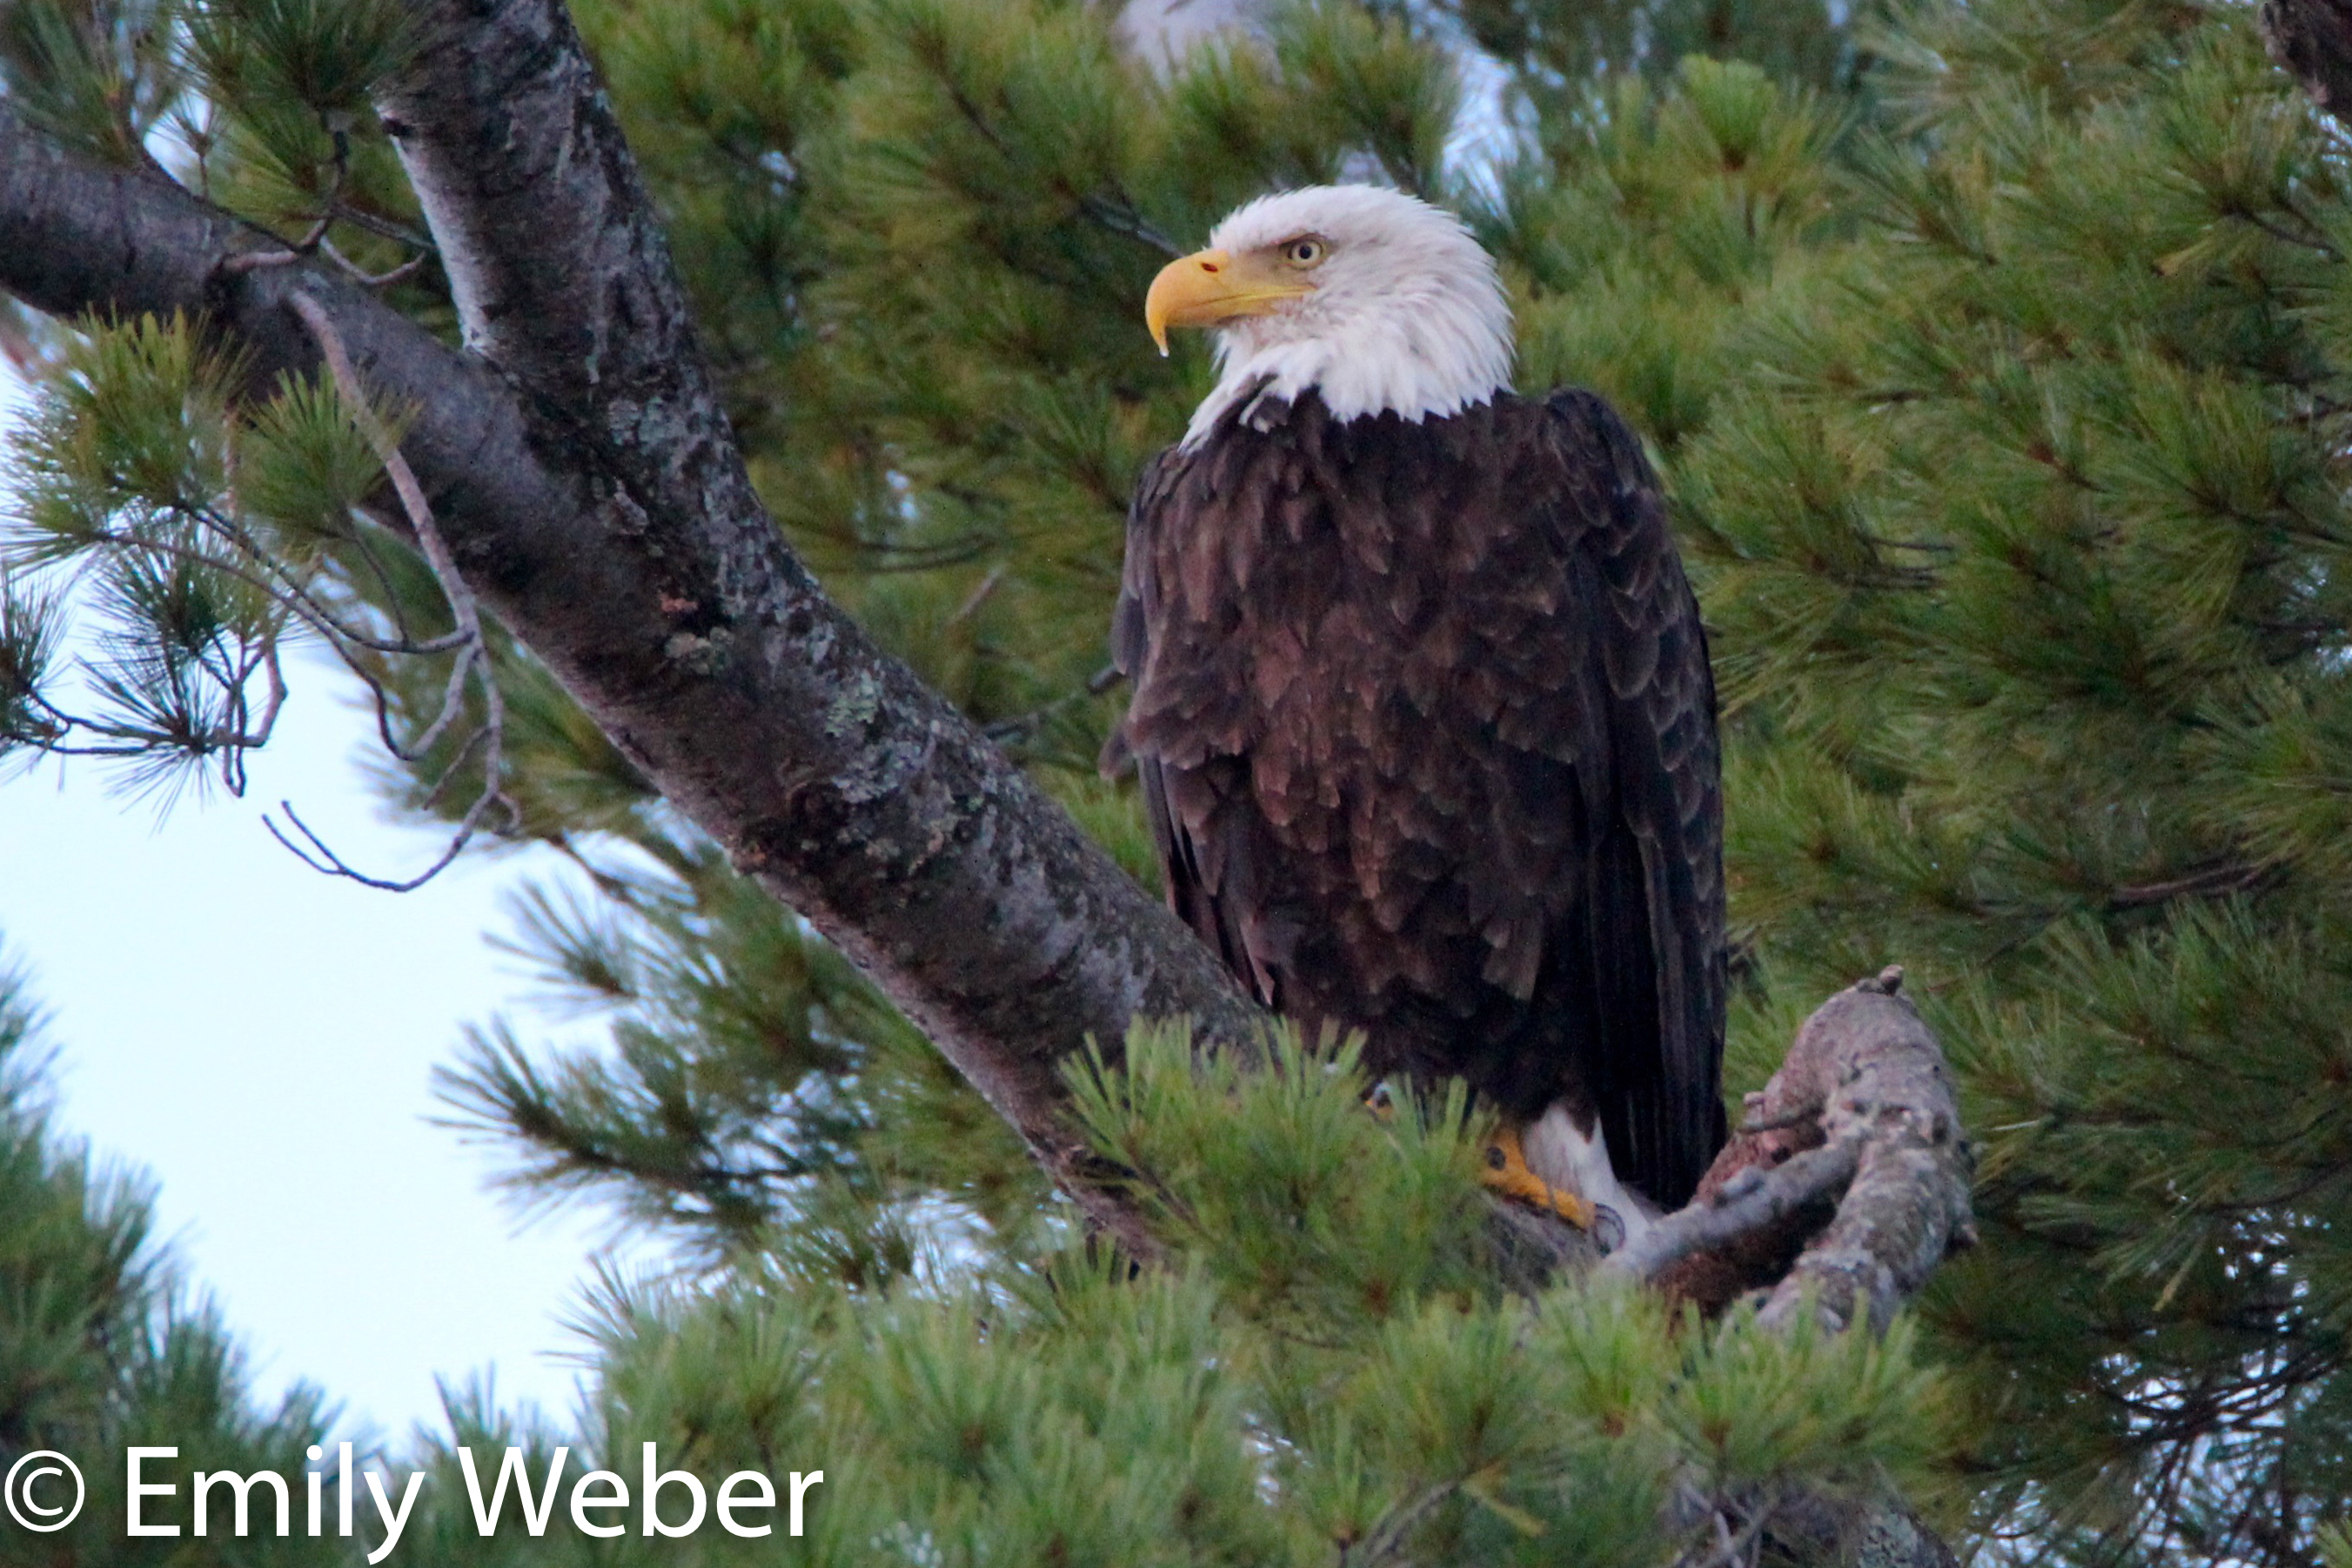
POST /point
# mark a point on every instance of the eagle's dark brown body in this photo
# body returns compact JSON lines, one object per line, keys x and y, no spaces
{"x":1426,"y":728}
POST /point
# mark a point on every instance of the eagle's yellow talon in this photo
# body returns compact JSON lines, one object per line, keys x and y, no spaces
{"x":1507,"y":1171}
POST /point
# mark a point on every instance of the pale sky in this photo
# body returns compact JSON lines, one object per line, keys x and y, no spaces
{"x":261,"y":1039}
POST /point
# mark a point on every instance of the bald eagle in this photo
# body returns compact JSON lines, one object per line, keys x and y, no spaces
{"x":1421,"y":705}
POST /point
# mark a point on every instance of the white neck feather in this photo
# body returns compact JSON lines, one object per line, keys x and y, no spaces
{"x":1409,"y":314}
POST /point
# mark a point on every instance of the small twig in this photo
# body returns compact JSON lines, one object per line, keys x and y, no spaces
{"x":453,"y":703}
{"x":2284,"y":236}
{"x":1709,"y":1516}
{"x":1750,"y":1202}
{"x":978,"y":596}
{"x":382,"y":228}
{"x":246,"y":262}
{"x":227,"y":669}
{"x":135,"y":740}
{"x":2216,"y":879}
{"x":250,"y":736}
{"x":371,"y":280}
{"x":1860,"y":1121}
{"x":1120,"y":217}
{"x":359,"y":541}
{"x":1388,"y":1534}
{"x":315,"y":853}
{"x":301,"y":250}
{"x":276,"y":701}
{"x":314,"y":240}
{"x":473,"y":656}
{"x":292,"y":597}
{"x":340,"y":638}
{"x":465,"y":750}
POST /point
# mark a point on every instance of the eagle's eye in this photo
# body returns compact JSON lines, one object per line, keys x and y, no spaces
{"x":1303,"y":252}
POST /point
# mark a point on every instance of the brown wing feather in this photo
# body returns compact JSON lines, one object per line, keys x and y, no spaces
{"x":1200,"y":834}
{"x":1424,"y":726}
{"x":1661,"y":1097}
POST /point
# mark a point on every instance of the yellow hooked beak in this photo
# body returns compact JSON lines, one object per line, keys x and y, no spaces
{"x":1209,"y":287}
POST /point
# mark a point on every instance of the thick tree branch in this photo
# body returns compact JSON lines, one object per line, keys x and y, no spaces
{"x":593,"y":495}
{"x":1757,"y":1200}
{"x":1847,"y":1186}
{"x":1869,"y":1064}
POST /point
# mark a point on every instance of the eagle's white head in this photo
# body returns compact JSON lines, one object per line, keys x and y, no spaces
{"x":1373,"y":298}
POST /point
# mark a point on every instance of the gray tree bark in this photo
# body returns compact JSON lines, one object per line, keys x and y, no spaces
{"x":1847,"y":1186}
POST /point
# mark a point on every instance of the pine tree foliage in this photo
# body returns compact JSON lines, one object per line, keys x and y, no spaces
{"x":1993,"y":356}
{"x":99,"y":75}
{"x":1262,"y":1402}
{"x":753,"y":1076}
{"x":103,"y":1345}
{"x":2025,"y":567}
{"x":1325,"y":1369}
{"x":1556,"y":53}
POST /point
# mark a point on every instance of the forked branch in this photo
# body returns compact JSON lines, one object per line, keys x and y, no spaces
{"x":1847,"y":1186}
{"x":472,"y":666}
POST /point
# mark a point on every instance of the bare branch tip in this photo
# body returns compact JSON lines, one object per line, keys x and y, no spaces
{"x":315,"y":853}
